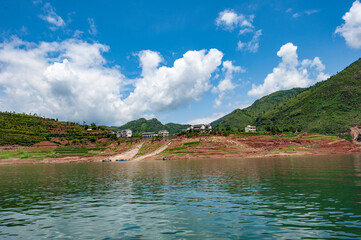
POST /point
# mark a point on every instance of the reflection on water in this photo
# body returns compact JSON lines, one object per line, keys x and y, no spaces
{"x":278,"y":198}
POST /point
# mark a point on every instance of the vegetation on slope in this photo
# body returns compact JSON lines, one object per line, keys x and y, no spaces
{"x":239,"y":119}
{"x":152,"y":125}
{"x":59,"y":152}
{"x":331,"y":106}
{"x":26,"y":130}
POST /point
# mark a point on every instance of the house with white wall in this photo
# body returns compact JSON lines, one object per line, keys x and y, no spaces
{"x":126,"y":133}
{"x":250,"y":129}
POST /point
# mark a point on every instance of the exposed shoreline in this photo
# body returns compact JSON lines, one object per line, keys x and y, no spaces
{"x":218,"y":147}
{"x":17,"y":161}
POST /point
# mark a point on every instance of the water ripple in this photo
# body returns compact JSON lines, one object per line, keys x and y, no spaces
{"x":229,"y":199}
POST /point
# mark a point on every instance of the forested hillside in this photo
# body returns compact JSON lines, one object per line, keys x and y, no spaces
{"x":331,"y":106}
{"x":152,"y":125}
{"x":240,"y":118}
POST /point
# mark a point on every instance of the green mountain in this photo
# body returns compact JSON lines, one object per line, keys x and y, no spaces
{"x":152,"y":125}
{"x":331,"y":106}
{"x":175,"y":127}
{"x":240,"y":118}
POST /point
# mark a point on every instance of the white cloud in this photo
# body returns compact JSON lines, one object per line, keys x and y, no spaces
{"x":226,"y":84}
{"x":322,"y":76}
{"x":245,"y":30}
{"x":70,"y":80}
{"x":290,"y":73}
{"x":229,"y":20}
{"x":166,"y":88}
{"x":299,"y":14}
{"x":241,"y":45}
{"x":77,"y":34}
{"x":351,"y":29}
{"x":206,"y":120}
{"x":93,"y":29}
{"x":253,"y":44}
{"x":316,"y":62}
{"x":51,"y":17}
{"x":149,"y":61}
{"x":307,"y":12}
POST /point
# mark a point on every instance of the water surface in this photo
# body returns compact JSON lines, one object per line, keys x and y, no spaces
{"x":275,"y":198}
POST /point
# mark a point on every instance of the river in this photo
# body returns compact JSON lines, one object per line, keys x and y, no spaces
{"x":274,"y":198}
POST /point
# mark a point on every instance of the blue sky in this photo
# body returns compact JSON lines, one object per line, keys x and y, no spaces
{"x":111,"y":62}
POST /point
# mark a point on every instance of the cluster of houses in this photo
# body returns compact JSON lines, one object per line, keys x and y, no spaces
{"x":163,"y":133}
{"x":206,"y":128}
{"x":127,"y":133}
{"x":200,"y":128}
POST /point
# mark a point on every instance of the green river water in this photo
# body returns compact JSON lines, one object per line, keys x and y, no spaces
{"x":274,"y":198}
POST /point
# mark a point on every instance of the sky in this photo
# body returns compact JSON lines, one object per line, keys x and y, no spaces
{"x":110,"y":62}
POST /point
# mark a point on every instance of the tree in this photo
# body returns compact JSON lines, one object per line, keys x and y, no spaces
{"x":102,"y":128}
{"x":137,"y":135}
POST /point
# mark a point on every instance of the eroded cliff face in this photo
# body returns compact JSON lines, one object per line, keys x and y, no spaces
{"x":356,"y":134}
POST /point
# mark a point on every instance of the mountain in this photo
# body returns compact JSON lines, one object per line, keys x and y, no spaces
{"x":331,"y":106}
{"x":152,"y":125}
{"x":240,"y":118}
{"x":175,"y":127}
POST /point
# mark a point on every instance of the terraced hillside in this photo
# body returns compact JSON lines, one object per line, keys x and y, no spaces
{"x":27,"y":130}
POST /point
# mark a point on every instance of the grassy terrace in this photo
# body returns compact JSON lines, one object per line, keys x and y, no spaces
{"x":59,"y":152}
{"x":321,"y":137}
{"x":301,"y":136}
{"x":200,"y":147}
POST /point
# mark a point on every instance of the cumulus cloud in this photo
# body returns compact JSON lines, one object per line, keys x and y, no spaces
{"x":226,"y":84}
{"x":230,"y":20}
{"x":66,"y":80}
{"x":165,"y":88}
{"x":70,"y":80}
{"x":290,"y":73}
{"x":51,"y":17}
{"x":351,"y":29}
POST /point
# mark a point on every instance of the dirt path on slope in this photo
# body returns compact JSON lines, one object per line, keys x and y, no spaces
{"x":159,"y":150}
{"x":127,"y":155}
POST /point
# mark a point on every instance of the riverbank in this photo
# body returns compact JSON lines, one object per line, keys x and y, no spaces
{"x":215,"y":147}
{"x":256,"y":146}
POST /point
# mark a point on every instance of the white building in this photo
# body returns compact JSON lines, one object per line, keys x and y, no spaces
{"x":163,"y":133}
{"x":149,"y":134}
{"x":125,"y":133}
{"x":202,"y":128}
{"x":250,"y":129}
